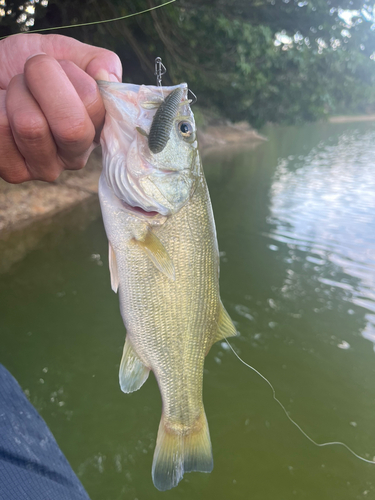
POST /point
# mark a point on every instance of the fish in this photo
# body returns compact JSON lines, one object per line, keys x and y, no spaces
{"x":164,"y":263}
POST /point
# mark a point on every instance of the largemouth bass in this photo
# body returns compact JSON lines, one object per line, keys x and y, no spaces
{"x":164,"y":262}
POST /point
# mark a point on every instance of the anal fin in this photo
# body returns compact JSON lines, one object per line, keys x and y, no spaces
{"x":113,"y":268}
{"x":157,"y":253}
{"x":225,"y":326}
{"x":133,"y":373}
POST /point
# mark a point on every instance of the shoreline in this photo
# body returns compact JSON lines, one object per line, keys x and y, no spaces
{"x":22,"y":204}
{"x":351,"y":119}
{"x":29,"y":211}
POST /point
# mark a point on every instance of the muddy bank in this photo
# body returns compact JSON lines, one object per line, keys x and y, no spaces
{"x":21,"y":204}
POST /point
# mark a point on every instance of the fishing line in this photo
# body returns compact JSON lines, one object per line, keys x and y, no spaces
{"x":98,"y":22}
{"x":159,"y":73}
{"x":320,"y":445}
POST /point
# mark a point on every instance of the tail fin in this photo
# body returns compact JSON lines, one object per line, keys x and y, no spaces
{"x":177,"y":452}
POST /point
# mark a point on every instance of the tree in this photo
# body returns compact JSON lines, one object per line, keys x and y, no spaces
{"x":258,"y":60}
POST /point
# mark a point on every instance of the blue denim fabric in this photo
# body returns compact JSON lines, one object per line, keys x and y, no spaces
{"x":32,"y":465}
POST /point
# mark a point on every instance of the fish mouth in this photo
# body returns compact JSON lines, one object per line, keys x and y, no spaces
{"x":152,"y":168}
{"x":168,"y":171}
{"x":140,"y":211}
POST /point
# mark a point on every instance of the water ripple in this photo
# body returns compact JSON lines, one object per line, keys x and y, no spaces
{"x":323,"y":205}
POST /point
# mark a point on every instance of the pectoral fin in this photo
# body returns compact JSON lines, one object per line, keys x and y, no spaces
{"x":157,"y":253}
{"x":225,"y":326}
{"x":113,"y":268}
{"x":133,"y":373}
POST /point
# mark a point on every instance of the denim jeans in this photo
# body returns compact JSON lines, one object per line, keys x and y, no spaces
{"x":32,"y":466}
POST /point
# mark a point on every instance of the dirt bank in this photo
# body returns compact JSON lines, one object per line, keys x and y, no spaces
{"x":20,"y":204}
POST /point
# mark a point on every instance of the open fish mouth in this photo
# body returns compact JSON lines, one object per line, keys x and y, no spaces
{"x":136,"y":210}
{"x":171,"y":169}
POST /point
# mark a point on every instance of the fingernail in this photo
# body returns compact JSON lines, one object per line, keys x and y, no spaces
{"x":37,"y":54}
{"x":114,"y":78}
{"x":102,"y":74}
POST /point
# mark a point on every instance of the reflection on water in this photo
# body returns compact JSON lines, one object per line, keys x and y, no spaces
{"x":295,"y":222}
{"x":323,"y":204}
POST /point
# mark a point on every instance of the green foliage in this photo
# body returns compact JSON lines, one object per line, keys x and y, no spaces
{"x":226,"y":51}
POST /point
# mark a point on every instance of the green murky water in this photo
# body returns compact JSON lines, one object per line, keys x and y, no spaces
{"x":295,"y":220}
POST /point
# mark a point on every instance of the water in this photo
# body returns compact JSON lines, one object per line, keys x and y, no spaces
{"x":295,"y":220}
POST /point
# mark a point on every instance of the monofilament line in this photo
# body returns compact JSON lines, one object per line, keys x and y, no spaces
{"x":99,"y":22}
{"x":290,"y":418}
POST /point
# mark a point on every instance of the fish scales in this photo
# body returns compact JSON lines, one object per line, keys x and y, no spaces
{"x":164,"y":262}
{"x":174,"y":316}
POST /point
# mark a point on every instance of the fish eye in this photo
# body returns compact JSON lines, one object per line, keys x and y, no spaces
{"x":186,"y":130}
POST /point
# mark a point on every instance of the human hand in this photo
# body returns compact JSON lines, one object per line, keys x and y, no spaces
{"x":51,"y":111}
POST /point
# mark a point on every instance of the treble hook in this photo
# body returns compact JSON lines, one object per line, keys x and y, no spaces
{"x":160,"y":70}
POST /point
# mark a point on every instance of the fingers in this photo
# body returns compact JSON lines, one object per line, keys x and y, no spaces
{"x":68,"y":120}
{"x":12,"y":165}
{"x":37,"y":152}
{"x":51,"y":110}
{"x":105,"y":65}
{"x":89,"y":94}
{"x":52,"y":115}
{"x":100,"y":64}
